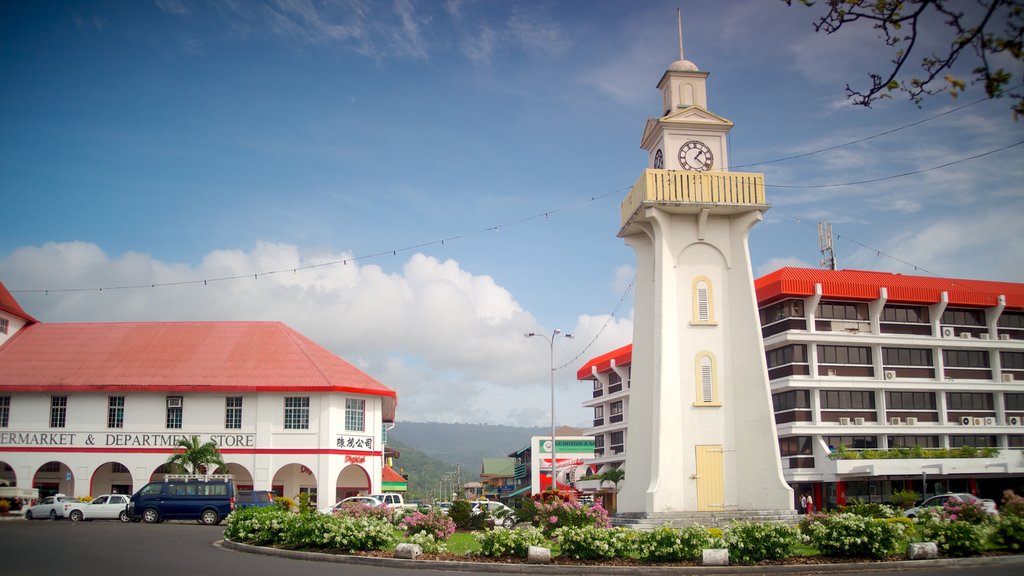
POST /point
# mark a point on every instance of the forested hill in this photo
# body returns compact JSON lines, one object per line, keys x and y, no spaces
{"x":465,"y":444}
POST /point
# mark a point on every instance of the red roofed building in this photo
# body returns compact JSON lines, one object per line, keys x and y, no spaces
{"x":89,"y":408}
{"x":860,"y":361}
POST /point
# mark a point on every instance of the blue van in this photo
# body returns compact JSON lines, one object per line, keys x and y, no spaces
{"x":201,"y":498}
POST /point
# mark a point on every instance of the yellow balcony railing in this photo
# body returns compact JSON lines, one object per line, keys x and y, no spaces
{"x":687,"y":187}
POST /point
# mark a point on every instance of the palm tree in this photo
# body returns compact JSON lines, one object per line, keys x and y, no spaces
{"x":196,"y":457}
{"x":614,"y":475}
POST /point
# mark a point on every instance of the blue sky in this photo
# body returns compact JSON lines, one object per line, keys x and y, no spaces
{"x":151,"y":143}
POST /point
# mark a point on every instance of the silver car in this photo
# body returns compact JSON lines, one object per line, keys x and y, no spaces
{"x":940,"y":500}
{"x":52,"y":507}
{"x":105,"y":507}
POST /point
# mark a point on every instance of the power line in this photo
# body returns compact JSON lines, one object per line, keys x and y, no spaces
{"x":615,"y":311}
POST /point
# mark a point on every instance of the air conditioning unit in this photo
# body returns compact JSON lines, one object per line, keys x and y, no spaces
{"x":890,"y":374}
{"x":966,"y":420}
{"x":990,"y":421}
{"x":1007,"y":377}
{"x":966,"y":335}
{"x":948,"y":332}
{"x":858,"y":421}
{"x":844,"y":421}
{"x":984,"y":336}
{"x":911,"y":421}
{"x":895,"y":420}
{"x":979,"y":421}
{"x":1004,"y":336}
{"x":174,"y":402}
{"x":831,"y":372}
{"x":1013,"y":420}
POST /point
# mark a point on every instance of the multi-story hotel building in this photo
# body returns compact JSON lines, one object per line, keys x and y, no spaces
{"x":89,"y":408}
{"x":862,"y":361}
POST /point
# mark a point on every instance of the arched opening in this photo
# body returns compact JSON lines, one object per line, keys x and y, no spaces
{"x":240,"y":475}
{"x":161,"y":471}
{"x":292,"y":480}
{"x":7,"y":474}
{"x":111,"y":478}
{"x":54,"y":478}
{"x":352,"y":481}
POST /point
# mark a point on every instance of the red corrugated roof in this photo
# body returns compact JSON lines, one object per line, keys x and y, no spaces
{"x":622,"y":357}
{"x":178,"y":357}
{"x":389,"y":475}
{"x":864,"y":285}
{"x":10,"y":305}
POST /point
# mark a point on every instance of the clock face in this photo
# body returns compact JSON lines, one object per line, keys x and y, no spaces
{"x":695,"y":155}
{"x":659,"y":160}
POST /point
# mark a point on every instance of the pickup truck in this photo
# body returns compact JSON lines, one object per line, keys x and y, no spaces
{"x":394,"y":501}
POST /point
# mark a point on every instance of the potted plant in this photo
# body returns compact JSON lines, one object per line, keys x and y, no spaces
{"x":905,"y":498}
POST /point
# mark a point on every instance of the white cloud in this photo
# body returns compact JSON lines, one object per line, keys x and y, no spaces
{"x":444,"y":338}
{"x":780,"y":262}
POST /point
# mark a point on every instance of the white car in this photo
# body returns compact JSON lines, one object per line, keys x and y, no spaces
{"x":366,"y":500}
{"x":503,"y":515}
{"x":105,"y":507}
{"x":941,"y":499}
{"x":52,"y":507}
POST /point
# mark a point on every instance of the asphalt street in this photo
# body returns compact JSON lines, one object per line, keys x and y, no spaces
{"x":110,"y":548}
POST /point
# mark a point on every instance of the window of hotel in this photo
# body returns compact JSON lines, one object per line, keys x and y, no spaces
{"x":913,"y":441}
{"x":791,"y":400}
{"x":703,"y":304}
{"x":975,"y":441}
{"x":5,"y":411}
{"x":296,"y":413}
{"x":965,"y":358}
{"x":1011,"y":320}
{"x":853,"y":442}
{"x":233,"y":412}
{"x":597,"y":384}
{"x":599,"y":445}
{"x":969,"y":401}
{"x":786,"y":355}
{"x":598,"y":412}
{"x":617,"y":439}
{"x":1012,"y":400}
{"x":355,"y":414}
{"x":963,"y":317}
{"x":58,"y":411}
{"x":795,"y":446}
{"x":860,"y":355}
{"x":910,"y":400}
{"x":174,"y":411}
{"x":615,"y":408}
{"x":614,"y":382}
{"x":707,"y":380}
{"x":3,"y":325}
{"x":906,"y":357}
{"x":912,"y":314}
{"x":841,"y":311}
{"x":847,"y":400}
{"x":115,"y":412}
{"x":1015,"y":441}
{"x":1011,"y":360}
{"x":781,"y":311}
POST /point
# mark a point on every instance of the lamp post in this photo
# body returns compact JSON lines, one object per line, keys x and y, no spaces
{"x":551,"y":349}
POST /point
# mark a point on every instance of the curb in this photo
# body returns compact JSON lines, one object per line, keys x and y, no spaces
{"x":583,"y":570}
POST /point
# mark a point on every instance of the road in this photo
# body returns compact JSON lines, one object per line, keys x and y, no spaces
{"x":101,"y":548}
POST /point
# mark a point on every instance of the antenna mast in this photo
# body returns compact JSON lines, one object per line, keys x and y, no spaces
{"x":679,"y":18}
{"x":828,"y":253}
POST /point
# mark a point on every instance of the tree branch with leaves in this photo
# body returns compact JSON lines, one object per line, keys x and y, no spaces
{"x":985,"y":31}
{"x":196,"y":458}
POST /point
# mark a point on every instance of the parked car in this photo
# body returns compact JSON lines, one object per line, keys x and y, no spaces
{"x":501,"y":514}
{"x":940,"y":500}
{"x":391,"y":500}
{"x":199,"y":498}
{"x":366,"y":500}
{"x":105,"y":507}
{"x":254,"y":499}
{"x":53,"y":507}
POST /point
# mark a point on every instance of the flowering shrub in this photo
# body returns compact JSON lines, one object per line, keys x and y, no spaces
{"x":868,"y":509}
{"x":284,"y":502}
{"x":257,"y":526}
{"x":427,"y":543}
{"x":552,"y":513}
{"x":958,"y":510}
{"x":497,"y":543}
{"x":434,"y":522}
{"x":1009,"y":532}
{"x":592,"y":542}
{"x":666,"y":544}
{"x":1012,"y":504}
{"x":953,"y":537}
{"x":358,"y":510}
{"x":752,"y":542}
{"x":274,"y":526}
{"x":854,"y":535}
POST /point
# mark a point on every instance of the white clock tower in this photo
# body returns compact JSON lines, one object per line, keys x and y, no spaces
{"x":701,"y":444}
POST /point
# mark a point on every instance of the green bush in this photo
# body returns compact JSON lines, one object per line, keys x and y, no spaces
{"x":751,"y":542}
{"x":852,"y":535}
{"x":859,"y":507}
{"x":1009,"y":532}
{"x":257,"y":526}
{"x":498,"y":543}
{"x":952,"y":537}
{"x":461,"y":513}
{"x":5,"y":506}
{"x":593,"y":543}
{"x":666,"y":544}
{"x":274,"y":526}
{"x":427,"y":543}
{"x":1012,"y":504}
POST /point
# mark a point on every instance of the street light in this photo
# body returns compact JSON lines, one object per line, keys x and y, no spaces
{"x":551,"y":348}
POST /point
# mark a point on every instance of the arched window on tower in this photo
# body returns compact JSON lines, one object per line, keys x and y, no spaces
{"x":703,"y":301}
{"x":707,"y":380}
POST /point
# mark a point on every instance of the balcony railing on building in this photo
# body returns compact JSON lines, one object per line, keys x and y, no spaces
{"x":697,"y":188}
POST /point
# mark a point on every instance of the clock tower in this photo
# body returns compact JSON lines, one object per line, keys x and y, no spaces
{"x":701,"y":444}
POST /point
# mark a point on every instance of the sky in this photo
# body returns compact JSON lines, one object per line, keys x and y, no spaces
{"x":416,"y":184}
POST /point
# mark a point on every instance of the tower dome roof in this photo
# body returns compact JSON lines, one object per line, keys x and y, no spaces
{"x":683,"y":66}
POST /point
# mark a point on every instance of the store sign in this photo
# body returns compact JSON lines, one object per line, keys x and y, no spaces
{"x":350,"y":442}
{"x":119,"y":440}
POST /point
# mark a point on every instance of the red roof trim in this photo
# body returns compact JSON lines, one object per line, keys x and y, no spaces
{"x":10,"y":305}
{"x":622,"y":356}
{"x":196,"y":389}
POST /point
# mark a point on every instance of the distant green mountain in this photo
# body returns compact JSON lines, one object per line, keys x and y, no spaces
{"x":434,"y":455}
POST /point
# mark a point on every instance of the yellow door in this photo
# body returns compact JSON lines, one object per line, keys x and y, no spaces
{"x":710,"y":479}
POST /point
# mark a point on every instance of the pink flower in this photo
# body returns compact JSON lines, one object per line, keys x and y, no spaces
{"x":553,"y":519}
